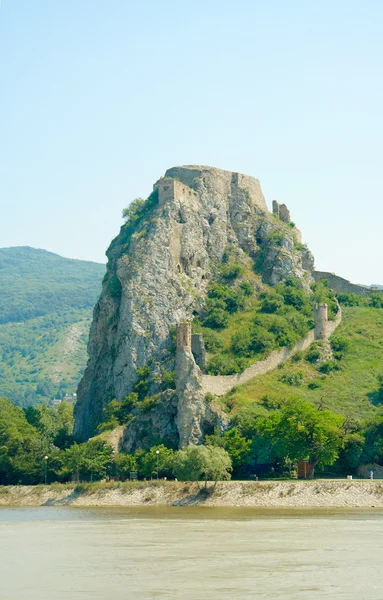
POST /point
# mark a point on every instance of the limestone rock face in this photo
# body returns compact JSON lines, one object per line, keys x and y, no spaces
{"x":195,"y":415}
{"x":158,"y":424}
{"x":158,"y":271}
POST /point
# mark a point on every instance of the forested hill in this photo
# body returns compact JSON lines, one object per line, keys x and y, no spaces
{"x":35,"y":282}
{"x":46,"y":304}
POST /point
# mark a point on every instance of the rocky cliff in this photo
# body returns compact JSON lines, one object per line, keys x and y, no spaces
{"x":159,"y":267}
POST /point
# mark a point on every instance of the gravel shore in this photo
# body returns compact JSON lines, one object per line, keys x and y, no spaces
{"x":265,"y":494}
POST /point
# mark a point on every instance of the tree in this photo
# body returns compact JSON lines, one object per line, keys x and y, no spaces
{"x":123,"y":465}
{"x":97,"y":458}
{"x":299,"y":430}
{"x":21,"y":450}
{"x":236,"y":445}
{"x":91,"y":459}
{"x":74,"y":460}
{"x":207,"y":463}
{"x":148,"y":461}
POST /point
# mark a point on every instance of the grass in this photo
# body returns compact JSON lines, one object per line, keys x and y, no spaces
{"x":352,"y":391}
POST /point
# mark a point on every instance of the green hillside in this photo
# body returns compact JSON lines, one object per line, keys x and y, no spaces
{"x":351,"y":388}
{"x":46,"y":304}
{"x":36,"y":282}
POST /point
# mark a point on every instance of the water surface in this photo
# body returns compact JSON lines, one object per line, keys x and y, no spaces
{"x":189,"y":553}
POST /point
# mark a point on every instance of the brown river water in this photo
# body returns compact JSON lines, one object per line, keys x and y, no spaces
{"x":189,"y":553}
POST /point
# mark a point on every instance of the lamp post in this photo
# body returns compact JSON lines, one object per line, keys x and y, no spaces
{"x":46,"y":469}
{"x":157,"y":452}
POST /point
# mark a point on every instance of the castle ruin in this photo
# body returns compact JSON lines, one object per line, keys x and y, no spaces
{"x":171,"y":189}
{"x":183,"y":337}
{"x":320,"y":320}
{"x":281,"y":211}
{"x":188,"y":342}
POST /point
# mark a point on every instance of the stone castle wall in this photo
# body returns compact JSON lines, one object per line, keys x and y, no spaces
{"x":198,"y":349}
{"x":221,"y":384}
{"x":340,"y":285}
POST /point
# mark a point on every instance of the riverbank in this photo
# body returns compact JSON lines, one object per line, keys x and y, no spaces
{"x":266,"y":494}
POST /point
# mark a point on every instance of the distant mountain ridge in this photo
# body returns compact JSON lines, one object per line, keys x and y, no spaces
{"x":46,"y":303}
{"x":34,"y":282}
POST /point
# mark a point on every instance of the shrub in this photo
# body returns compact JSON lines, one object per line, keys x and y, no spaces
{"x":293,"y":378}
{"x":212,"y":340}
{"x":246,"y":288}
{"x":126,"y":406}
{"x":231,"y":271}
{"x":313,"y":353}
{"x":276,"y":237}
{"x":295,"y":297}
{"x":298,"y":356}
{"x":221,"y":296}
{"x":313,"y":385}
{"x":339,"y":346}
{"x":216,"y":318}
{"x":271,"y":302}
{"x":328,"y":366}
{"x":142,"y":384}
{"x":241,"y":343}
{"x":261,"y":339}
{"x":225,"y":365}
{"x":169,"y":380}
{"x":350,"y":299}
{"x":149,"y":403}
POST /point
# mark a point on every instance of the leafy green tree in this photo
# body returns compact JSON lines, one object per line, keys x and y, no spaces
{"x":300,"y":431}
{"x":73,"y":461}
{"x":21,"y":449}
{"x":97,"y":459}
{"x":91,"y":459}
{"x":132,"y":213}
{"x":147,"y":462}
{"x":123,"y":465}
{"x":236,"y":445}
{"x":207,"y":463}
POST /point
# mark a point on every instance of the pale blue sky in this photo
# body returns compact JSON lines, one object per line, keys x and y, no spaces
{"x":99,"y":97}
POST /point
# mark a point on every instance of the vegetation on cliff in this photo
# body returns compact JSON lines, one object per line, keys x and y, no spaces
{"x":243,"y":319}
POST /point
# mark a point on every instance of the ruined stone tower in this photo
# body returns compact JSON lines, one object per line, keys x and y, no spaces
{"x":320,"y":320}
{"x":281,"y":211}
{"x":171,"y":189}
{"x":183,"y":337}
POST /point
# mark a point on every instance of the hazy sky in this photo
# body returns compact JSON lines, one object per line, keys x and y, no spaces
{"x":99,"y":97}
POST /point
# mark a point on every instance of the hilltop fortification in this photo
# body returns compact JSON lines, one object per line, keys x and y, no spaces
{"x":159,"y":268}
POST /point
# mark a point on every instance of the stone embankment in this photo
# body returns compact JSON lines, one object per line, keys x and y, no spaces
{"x":263,"y":494}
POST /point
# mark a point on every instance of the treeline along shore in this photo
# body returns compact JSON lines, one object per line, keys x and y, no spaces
{"x":257,"y":494}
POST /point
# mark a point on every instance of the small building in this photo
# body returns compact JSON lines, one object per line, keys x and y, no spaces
{"x":70,"y":398}
{"x":303,"y":468}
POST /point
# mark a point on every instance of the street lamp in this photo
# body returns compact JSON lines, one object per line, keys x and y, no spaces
{"x":46,"y":469}
{"x":157,"y":452}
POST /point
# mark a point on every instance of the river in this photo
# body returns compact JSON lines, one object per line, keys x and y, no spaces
{"x":189,"y":553}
